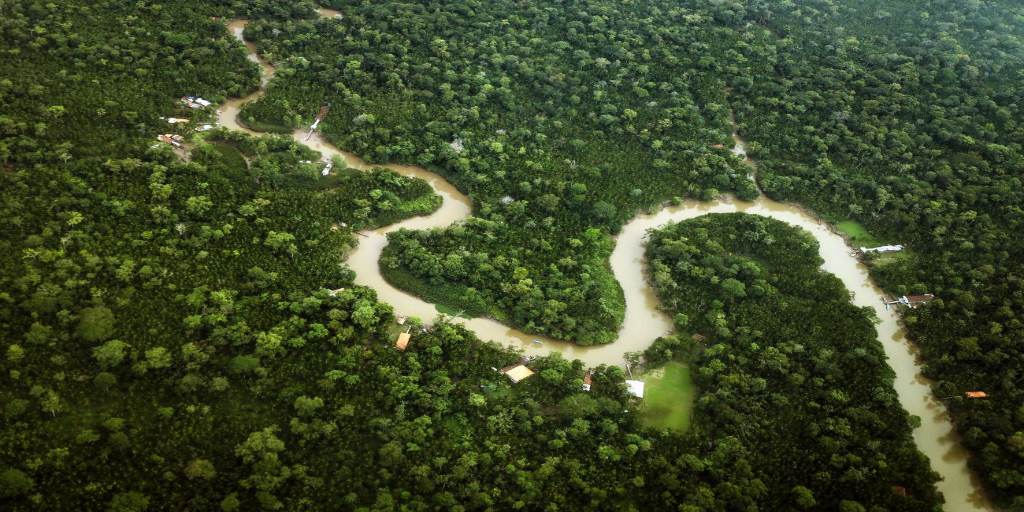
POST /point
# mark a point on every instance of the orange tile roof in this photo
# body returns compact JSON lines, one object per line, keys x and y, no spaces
{"x":403,"y":340}
{"x":976,"y":394}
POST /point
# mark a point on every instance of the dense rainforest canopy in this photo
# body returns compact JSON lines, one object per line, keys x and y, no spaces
{"x":902,"y":115}
{"x":174,"y":333}
{"x":786,"y":365}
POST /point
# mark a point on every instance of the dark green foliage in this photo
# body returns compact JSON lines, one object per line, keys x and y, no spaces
{"x":14,"y":483}
{"x":901,"y":114}
{"x":168,"y":335}
{"x":557,"y":121}
{"x":95,"y":324}
{"x":790,"y":372}
{"x":906,"y":116}
{"x":590,"y":314}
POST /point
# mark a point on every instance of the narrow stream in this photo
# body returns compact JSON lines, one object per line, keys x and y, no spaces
{"x":643,"y":323}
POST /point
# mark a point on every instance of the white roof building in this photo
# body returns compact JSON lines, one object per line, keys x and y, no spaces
{"x":636,"y":388}
{"x":884,"y":248}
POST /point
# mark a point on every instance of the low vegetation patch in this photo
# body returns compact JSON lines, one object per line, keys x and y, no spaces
{"x":668,"y":397}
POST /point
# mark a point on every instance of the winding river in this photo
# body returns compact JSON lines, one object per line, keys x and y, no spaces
{"x":643,"y":323}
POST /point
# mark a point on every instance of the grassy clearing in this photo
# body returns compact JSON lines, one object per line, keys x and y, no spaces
{"x":858,"y":234}
{"x":231,"y":157}
{"x":892,"y":257}
{"x":668,"y":395}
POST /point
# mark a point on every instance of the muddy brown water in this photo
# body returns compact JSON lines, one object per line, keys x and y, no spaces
{"x":644,"y":322}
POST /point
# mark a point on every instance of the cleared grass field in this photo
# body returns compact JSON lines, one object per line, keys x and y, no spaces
{"x":858,"y":234}
{"x":668,"y":397}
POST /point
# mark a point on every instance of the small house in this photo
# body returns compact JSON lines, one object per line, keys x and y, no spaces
{"x":177,"y":120}
{"x":327,"y":168}
{"x":403,"y":340}
{"x":194,"y":102}
{"x":168,"y":139}
{"x":402,"y":319}
{"x":635,"y":388}
{"x":334,"y":293}
{"x":204,"y":127}
{"x":976,"y":394}
{"x":900,"y":490}
{"x":698,"y":337}
{"x":717,"y":146}
{"x":178,"y":138}
{"x":587,"y":381}
{"x":916,"y":301}
{"x":517,"y":372}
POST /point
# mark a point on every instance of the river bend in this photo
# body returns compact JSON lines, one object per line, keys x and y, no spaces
{"x":644,"y":322}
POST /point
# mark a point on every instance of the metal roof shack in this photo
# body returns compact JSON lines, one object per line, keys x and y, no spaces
{"x":327,"y":168}
{"x":587,"y":381}
{"x":635,"y":388}
{"x":517,"y":372}
{"x":176,"y":120}
{"x":403,"y":340}
{"x":884,"y":248}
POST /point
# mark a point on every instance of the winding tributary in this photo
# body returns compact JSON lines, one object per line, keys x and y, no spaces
{"x":643,"y":323}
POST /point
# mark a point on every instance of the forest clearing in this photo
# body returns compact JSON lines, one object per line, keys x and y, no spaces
{"x":668,"y":397}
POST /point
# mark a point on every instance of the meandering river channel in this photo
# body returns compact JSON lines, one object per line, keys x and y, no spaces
{"x":936,"y":437}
